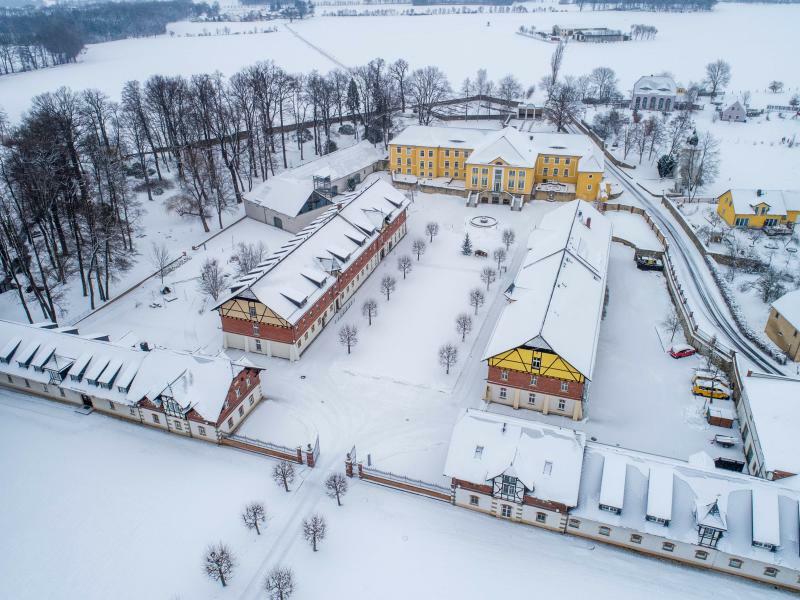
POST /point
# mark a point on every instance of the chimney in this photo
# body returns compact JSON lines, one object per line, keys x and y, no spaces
{"x":588,"y":222}
{"x":749,"y":373}
{"x":759,"y":193}
{"x":504,"y":427}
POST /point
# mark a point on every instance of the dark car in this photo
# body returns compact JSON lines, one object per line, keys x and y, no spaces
{"x":649,"y":263}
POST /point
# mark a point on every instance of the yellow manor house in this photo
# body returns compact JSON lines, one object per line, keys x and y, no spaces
{"x":499,"y":166}
{"x":755,"y":209}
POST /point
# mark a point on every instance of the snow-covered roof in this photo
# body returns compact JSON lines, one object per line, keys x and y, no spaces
{"x":291,"y":279}
{"x":546,"y":459}
{"x":735,"y":107}
{"x":558,"y":293}
{"x":788,"y":306}
{"x":441,"y":137}
{"x":122,"y":374}
{"x":779,"y":201}
{"x":687,"y":495}
{"x":612,"y":485}
{"x":508,"y":145}
{"x":774,"y":403}
{"x":655,"y":85}
{"x":288,"y":191}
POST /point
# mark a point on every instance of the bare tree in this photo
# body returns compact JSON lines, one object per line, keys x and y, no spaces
{"x":488,"y":276}
{"x":499,"y":256}
{"x":448,"y":356}
{"x":279,"y":584}
{"x":671,"y":323}
{"x":369,"y":309}
{"x":718,"y":75}
{"x":428,"y":86}
{"x":253,"y":515}
{"x":770,"y":285}
{"x":509,"y":88}
{"x":336,"y":486}
{"x":551,"y":79}
{"x":404,"y":264}
{"x":219,"y":563}
{"x":699,"y":163}
{"x":463,"y":325}
{"x":603,"y":81}
{"x":348,"y":336}
{"x":388,"y":285}
{"x":563,"y":104}
{"x":283,"y":474}
{"x":775,"y":86}
{"x":399,"y":73}
{"x":159,"y":258}
{"x":432,"y":230}
{"x":212,"y":279}
{"x":509,"y":237}
{"x":419,"y":247}
{"x":476,"y":299}
{"x":248,"y":256}
{"x":314,"y":529}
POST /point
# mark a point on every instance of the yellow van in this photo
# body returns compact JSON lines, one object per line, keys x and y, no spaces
{"x":710,"y":389}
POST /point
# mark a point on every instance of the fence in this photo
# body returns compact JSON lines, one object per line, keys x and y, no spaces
{"x":584,"y":128}
{"x":397,"y":482}
{"x":607,"y":206}
{"x":260,"y":447}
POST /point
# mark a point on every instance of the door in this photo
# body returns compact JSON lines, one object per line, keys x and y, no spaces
{"x":87,"y":402}
{"x":497,"y":181}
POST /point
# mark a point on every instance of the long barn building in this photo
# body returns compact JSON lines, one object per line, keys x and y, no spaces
{"x":280,"y":307}
{"x":542,"y":352}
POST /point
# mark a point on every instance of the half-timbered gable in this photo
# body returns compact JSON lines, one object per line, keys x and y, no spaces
{"x":281,"y":306}
{"x":542,"y":351}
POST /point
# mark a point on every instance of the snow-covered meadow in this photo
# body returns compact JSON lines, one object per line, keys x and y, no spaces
{"x":95,"y":508}
{"x":459,"y":44}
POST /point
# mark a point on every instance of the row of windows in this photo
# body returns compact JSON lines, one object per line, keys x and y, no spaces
{"x":562,"y":404}
{"x":557,"y":160}
{"x":421,"y":151}
{"x":555,"y":172}
{"x":534,"y":379}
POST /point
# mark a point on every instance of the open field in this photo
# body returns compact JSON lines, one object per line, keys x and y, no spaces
{"x":684,"y":44}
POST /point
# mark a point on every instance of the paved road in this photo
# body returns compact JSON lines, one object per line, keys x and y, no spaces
{"x":704,"y":296}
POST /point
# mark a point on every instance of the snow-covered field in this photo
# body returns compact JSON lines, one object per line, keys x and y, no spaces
{"x":94,"y":508}
{"x":684,"y":44}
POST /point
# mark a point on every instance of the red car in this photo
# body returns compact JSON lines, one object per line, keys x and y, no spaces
{"x":681,"y":351}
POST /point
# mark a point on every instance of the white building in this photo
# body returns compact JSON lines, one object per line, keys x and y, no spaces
{"x":183,"y":393}
{"x":294,"y":198}
{"x":735,"y":112}
{"x":654,"y":92}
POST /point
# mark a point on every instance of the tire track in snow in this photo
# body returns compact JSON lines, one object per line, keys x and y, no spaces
{"x":330,"y":57}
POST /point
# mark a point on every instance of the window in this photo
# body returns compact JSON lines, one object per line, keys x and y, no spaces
{"x":555,"y":171}
{"x":565,"y":386}
{"x":478,"y":451}
{"x":531,"y":398}
{"x":546,"y":159}
{"x":256,"y":329}
{"x":422,"y":164}
{"x":430,"y":153}
{"x":742,"y":222}
{"x":566,"y":161}
{"x":562,"y":405}
{"x":735,"y":563}
{"x":668,"y":546}
{"x":485,"y":170}
{"x":566,"y":172}
{"x":252,"y":400}
{"x":474,"y":180}
{"x":230,"y":422}
{"x":534,"y":380}
{"x":178,"y":426}
{"x":557,"y":159}
{"x":447,"y":152}
{"x":258,"y":344}
{"x":156,"y":419}
{"x":636,"y":538}
{"x":701,"y":554}
{"x":484,"y":181}
{"x":604,"y":530}
{"x":505,"y":510}
{"x":252,"y":312}
{"x":27,"y":383}
{"x":589,"y":187}
{"x":408,"y":151}
{"x":536,"y":362}
{"x":508,"y":489}
{"x":10,"y":379}
{"x":504,"y":375}
{"x":474,"y":500}
{"x":241,"y":411}
{"x":61,"y":393}
{"x":399,"y":161}
{"x":111,"y":405}
{"x":575,"y":523}
{"x":770,"y":571}
{"x":541,"y":517}
{"x":44,"y":387}
{"x":503,"y":393}
{"x":430,"y":164}
{"x":544,"y":171}
{"x":132,"y":411}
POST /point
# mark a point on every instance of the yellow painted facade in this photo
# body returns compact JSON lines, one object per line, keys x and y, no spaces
{"x":498,"y":176}
{"x":758,"y":218}
{"x":550,"y":365}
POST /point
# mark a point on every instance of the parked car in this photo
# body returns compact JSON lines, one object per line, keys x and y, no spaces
{"x":481,"y":253}
{"x":710,"y":389}
{"x":681,"y":351}
{"x":649,"y":263}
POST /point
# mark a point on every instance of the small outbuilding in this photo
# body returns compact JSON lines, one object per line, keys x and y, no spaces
{"x":735,"y":112}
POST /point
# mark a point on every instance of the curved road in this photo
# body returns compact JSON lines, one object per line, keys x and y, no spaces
{"x":705,"y":297}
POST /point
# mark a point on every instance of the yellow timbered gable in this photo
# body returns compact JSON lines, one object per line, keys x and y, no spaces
{"x":250,"y":310}
{"x":549,"y":364}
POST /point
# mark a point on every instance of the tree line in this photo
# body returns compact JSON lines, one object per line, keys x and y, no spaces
{"x":649,"y":5}
{"x":44,"y":37}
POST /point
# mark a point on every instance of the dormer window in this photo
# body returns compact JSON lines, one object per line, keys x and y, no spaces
{"x":478,"y":451}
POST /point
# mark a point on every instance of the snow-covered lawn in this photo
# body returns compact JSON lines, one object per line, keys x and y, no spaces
{"x":641,"y":397}
{"x":95,"y":508}
{"x":633,"y":228}
{"x":185,"y":323}
{"x":684,"y":44}
{"x":391,"y":397}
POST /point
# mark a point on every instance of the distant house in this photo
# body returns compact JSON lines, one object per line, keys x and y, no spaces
{"x":735,"y":112}
{"x":654,"y":92}
{"x":589,"y":34}
{"x":294,"y":198}
{"x":755,"y":209}
{"x":783,"y":324}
